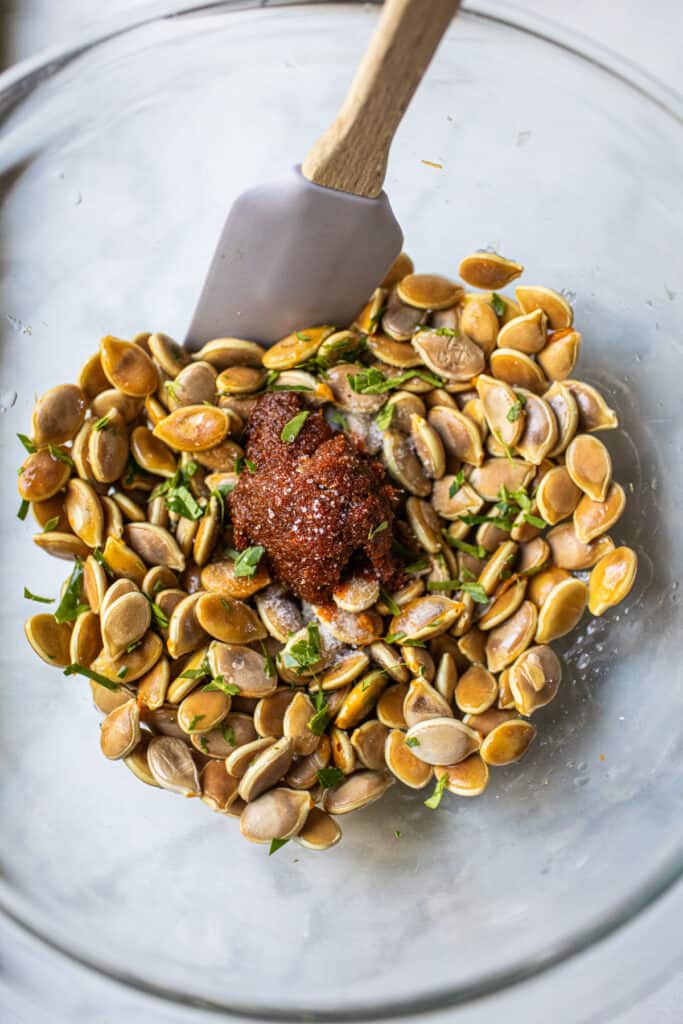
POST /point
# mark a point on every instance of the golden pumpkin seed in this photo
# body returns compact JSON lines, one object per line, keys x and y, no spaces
{"x":505,"y":412}
{"x":113,"y":517}
{"x":525,"y":333}
{"x":446,"y":677}
{"x":426,"y":617}
{"x":58,"y":415}
{"x":480,"y":324}
{"x":419,"y":662}
{"x":442,"y":741}
{"x":242,"y":667}
{"x":123,"y":561}
{"x":561,"y":610}
{"x":460,"y":436}
{"x":390,"y":706}
{"x":136,"y":663}
{"x":359,"y":790}
{"x":593,"y":518}
{"x":49,"y":639}
{"x":124,"y":623}
{"x":296,"y":348}
{"x":570,"y":553}
{"x":594,"y":412}
{"x":368,"y":741}
{"x":113,"y":400}
{"x":295,"y":723}
{"x":357,"y":629}
{"x":513,"y":474}
{"x":219,"y":790}
{"x":342,"y":753}
{"x":136,"y":761}
{"x":343,"y":672}
{"x":403,"y":464}
{"x":559,"y":356}
{"x":202,"y":710}
{"x":534,"y":679}
{"x":453,"y":356}
{"x":86,"y":641}
{"x":589,"y":465}
{"x":269,"y":714}
{"x":557,"y":495}
{"x":562,"y":402}
{"x":394,"y":353}
{"x":345,"y":397}
{"x":356,"y":594}
{"x":477,"y":690}
{"x":361,"y":699}
{"x":517,"y":369}
{"x":172,"y":766}
{"x":228,"y":619}
{"x":468,"y":778}
{"x":401,"y":761}
{"x":488,"y":720}
{"x":223,"y":352}
{"x":120,"y":732}
{"x":91,"y":378}
{"x":506,"y":642}
{"x":612,"y":579}
{"x":554,"y":305}
{"x":423,"y":702}
{"x":278,"y":612}
{"x":540,"y":432}
{"x":488,"y":270}
{"x":108,"y":448}
{"x":508,"y":742}
{"x":193,"y":428}
{"x":279,"y":814}
{"x":319,"y":832}
{"x":43,"y":475}
{"x":505,"y":603}
{"x":127,"y":367}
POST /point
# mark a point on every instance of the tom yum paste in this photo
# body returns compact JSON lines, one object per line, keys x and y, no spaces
{"x":305,"y":572}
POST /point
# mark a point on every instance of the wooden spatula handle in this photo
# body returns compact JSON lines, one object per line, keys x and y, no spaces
{"x":352,"y":154}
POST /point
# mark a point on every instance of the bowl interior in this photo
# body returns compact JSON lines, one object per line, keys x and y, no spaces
{"x":117,"y":170}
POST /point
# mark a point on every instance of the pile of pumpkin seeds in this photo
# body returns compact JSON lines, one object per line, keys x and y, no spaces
{"x":213,"y":680}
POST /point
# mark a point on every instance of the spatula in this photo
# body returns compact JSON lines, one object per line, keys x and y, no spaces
{"x":310,"y":249}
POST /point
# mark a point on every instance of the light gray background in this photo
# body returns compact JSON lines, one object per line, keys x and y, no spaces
{"x":36,"y":987}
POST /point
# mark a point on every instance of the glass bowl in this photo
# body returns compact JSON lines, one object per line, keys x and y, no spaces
{"x":119,"y":159}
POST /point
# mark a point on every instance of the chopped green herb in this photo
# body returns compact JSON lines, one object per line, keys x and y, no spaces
{"x":134,"y":646}
{"x":419,"y":566}
{"x":27,"y":443}
{"x":172,"y":389}
{"x":394,"y":638}
{"x":535,"y":521}
{"x":372,"y":382}
{"x":412,"y":741}
{"x":302,"y":336}
{"x":251,"y":466}
{"x":197,"y":673}
{"x":34,"y":597}
{"x":195,"y":721}
{"x":247,"y":561}
{"x":475,"y":590}
{"x":80,"y":670}
{"x":99,"y":557}
{"x":397,"y":833}
{"x":293,"y":427}
{"x":318,"y":722}
{"x":328,"y":777}
{"x":384,"y":525}
{"x":269,"y":667}
{"x":304,"y":652}
{"x":275,"y":845}
{"x":122,"y":672}
{"x":219,"y":683}
{"x":50,"y":524}
{"x":23,"y":509}
{"x":474,"y":520}
{"x":228,"y":735}
{"x":390,"y":603}
{"x":181,"y":501}
{"x":515,"y":410}
{"x":457,"y":483}
{"x":476,"y":550}
{"x":102,"y":423}
{"x":203,"y":744}
{"x":70,"y":605}
{"x":498,"y":304}
{"x":160,"y":619}
{"x":384,"y":416}
{"x":435,"y":799}
{"x":289,"y":387}
{"x":59,"y":455}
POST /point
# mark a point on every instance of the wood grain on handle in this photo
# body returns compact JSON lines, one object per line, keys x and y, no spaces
{"x":352,"y":154}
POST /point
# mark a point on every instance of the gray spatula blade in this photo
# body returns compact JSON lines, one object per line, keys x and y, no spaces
{"x":293,"y":255}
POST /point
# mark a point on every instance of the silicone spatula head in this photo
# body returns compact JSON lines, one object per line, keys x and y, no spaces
{"x":311,"y":248}
{"x":291,"y":255}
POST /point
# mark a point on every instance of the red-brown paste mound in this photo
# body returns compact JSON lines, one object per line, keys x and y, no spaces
{"x":313,"y":503}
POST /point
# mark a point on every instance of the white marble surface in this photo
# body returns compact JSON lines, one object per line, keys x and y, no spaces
{"x":36,"y":987}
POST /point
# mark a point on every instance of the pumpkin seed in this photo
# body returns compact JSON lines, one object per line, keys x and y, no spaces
{"x":113,"y":400}
{"x":517,"y":369}
{"x":193,"y":428}
{"x":506,"y":642}
{"x":202,"y":710}
{"x":278,"y":612}
{"x":534,"y":679}
{"x":86,"y":642}
{"x":557,"y":495}
{"x":554,"y":305}
{"x":297,"y":716}
{"x":112,"y":593}
{"x":402,"y":762}
{"x":480,"y":324}
{"x":508,"y":742}
{"x":424,"y":618}
{"x":559,"y":356}
{"x":43,"y":475}
{"x":359,"y":790}
{"x":452,"y":356}
{"x":494,"y":474}
{"x":136,"y":663}
{"x":540,"y":432}
{"x":390,"y":706}
{"x":223,"y":352}
{"x":594,"y":412}
{"x":125,"y":622}
{"x":344,"y":671}
{"x":228,"y":619}
{"x":593,"y":518}
{"x":356,"y":594}
{"x":568,"y":552}
{"x":279,"y":814}
{"x":136,"y":761}
{"x":342,"y":752}
{"x":477,"y":690}
{"x":526,"y":333}
{"x":561,"y":610}
{"x":238,"y":761}
{"x":58,"y":415}
{"x":446,"y":676}
{"x":488,"y":270}
{"x":562,"y":402}
{"x":172,"y":766}
{"x":403,"y":464}
{"x":612,"y":579}
{"x":91,"y":378}
{"x":319,"y":832}
{"x":219,"y":790}
{"x":242,"y":667}
{"x":460,"y":435}
{"x":266,"y":769}
{"x":442,"y":741}
{"x":127,"y":367}
{"x":505,"y":604}
{"x":49,"y":638}
{"x":236,"y":730}
{"x":589,"y":465}
{"x":120,"y":732}
{"x":468,"y":778}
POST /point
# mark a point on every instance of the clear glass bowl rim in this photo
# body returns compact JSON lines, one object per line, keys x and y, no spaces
{"x":15,"y":83}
